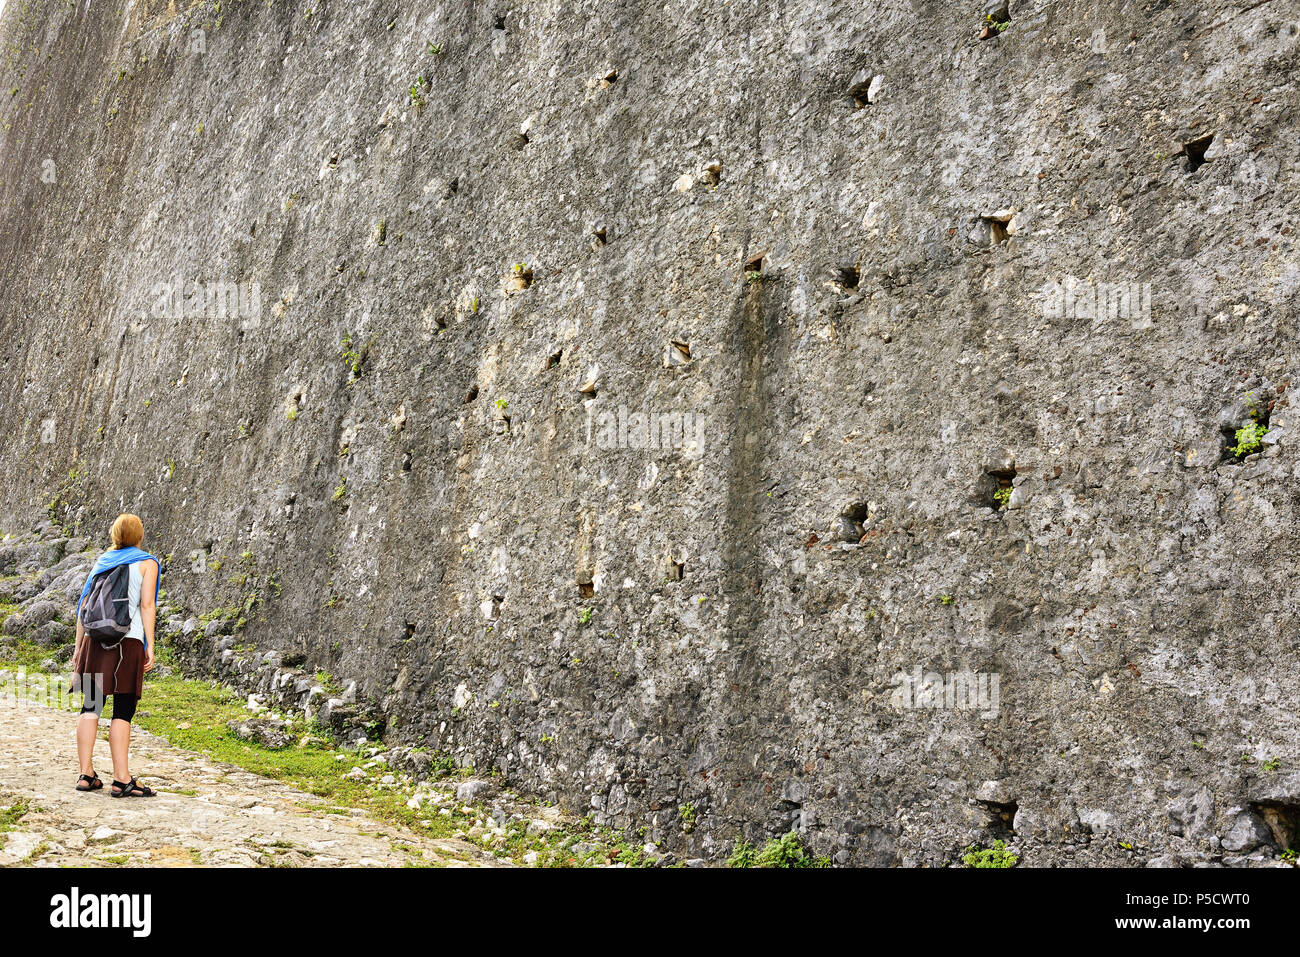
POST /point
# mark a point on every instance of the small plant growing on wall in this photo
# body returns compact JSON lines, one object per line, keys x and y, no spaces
{"x":418,"y":90}
{"x":782,"y":852}
{"x":1249,"y":439}
{"x":995,"y":856}
{"x":354,"y":358}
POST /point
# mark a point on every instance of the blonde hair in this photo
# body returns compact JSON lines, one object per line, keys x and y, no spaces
{"x":127,"y":531}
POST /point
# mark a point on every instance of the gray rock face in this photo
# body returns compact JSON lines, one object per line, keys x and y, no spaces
{"x":268,"y":732}
{"x":1248,"y":832}
{"x":468,"y":792}
{"x":52,"y":633}
{"x":36,"y":615}
{"x":524,"y":383}
{"x":1192,"y":815}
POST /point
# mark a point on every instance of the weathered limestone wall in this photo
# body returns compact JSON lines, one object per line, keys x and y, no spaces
{"x":402,"y":459}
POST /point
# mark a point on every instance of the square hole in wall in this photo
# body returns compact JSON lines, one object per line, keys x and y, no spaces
{"x":1195,"y":152}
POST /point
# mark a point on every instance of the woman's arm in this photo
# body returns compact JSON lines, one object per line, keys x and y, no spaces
{"x":148,"y":608}
{"x":81,"y":637}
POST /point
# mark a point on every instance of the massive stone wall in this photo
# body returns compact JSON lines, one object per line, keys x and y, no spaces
{"x":960,"y":332}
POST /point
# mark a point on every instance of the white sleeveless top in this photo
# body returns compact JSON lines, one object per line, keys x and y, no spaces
{"x":133,"y":594}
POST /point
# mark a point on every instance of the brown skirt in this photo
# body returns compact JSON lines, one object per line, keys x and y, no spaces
{"x":114,"y":673}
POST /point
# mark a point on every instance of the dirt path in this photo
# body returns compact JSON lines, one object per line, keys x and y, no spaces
{"x":207,"y":812}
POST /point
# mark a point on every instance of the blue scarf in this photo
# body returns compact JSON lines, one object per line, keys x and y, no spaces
{"x":112,"y":559}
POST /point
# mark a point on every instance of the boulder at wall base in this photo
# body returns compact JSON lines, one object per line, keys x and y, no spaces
{"x":35,"y":616}
{"x":268,"y":732}
{"x":1248,"y":831}
{"x":52,"y":634}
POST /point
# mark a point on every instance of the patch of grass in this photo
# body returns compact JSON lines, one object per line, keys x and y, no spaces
{"x":194,"y":714}
{"x":216,"y":614}
{"x":26,"y":654}
{"x":205,"y":709}
{"x":577,"y":844}
{"x":10,"y":816}
{"x":329,"y":684}
{"x":787,"y":851}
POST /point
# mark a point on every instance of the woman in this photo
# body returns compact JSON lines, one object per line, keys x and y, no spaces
{"x":117,"y":671}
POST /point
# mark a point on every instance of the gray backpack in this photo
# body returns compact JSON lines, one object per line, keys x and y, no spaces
{"x":106,"y":612}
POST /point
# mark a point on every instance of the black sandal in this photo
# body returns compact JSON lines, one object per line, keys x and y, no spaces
{"x":93,"y":783}
{"x":130,"y":789}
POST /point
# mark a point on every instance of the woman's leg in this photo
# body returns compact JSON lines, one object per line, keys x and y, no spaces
{"x":119,"y":734}
{"x":92,"y":703}
{"x":87,"y":725}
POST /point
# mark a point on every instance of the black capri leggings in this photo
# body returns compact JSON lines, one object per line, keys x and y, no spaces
{"x":123,"y":705}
